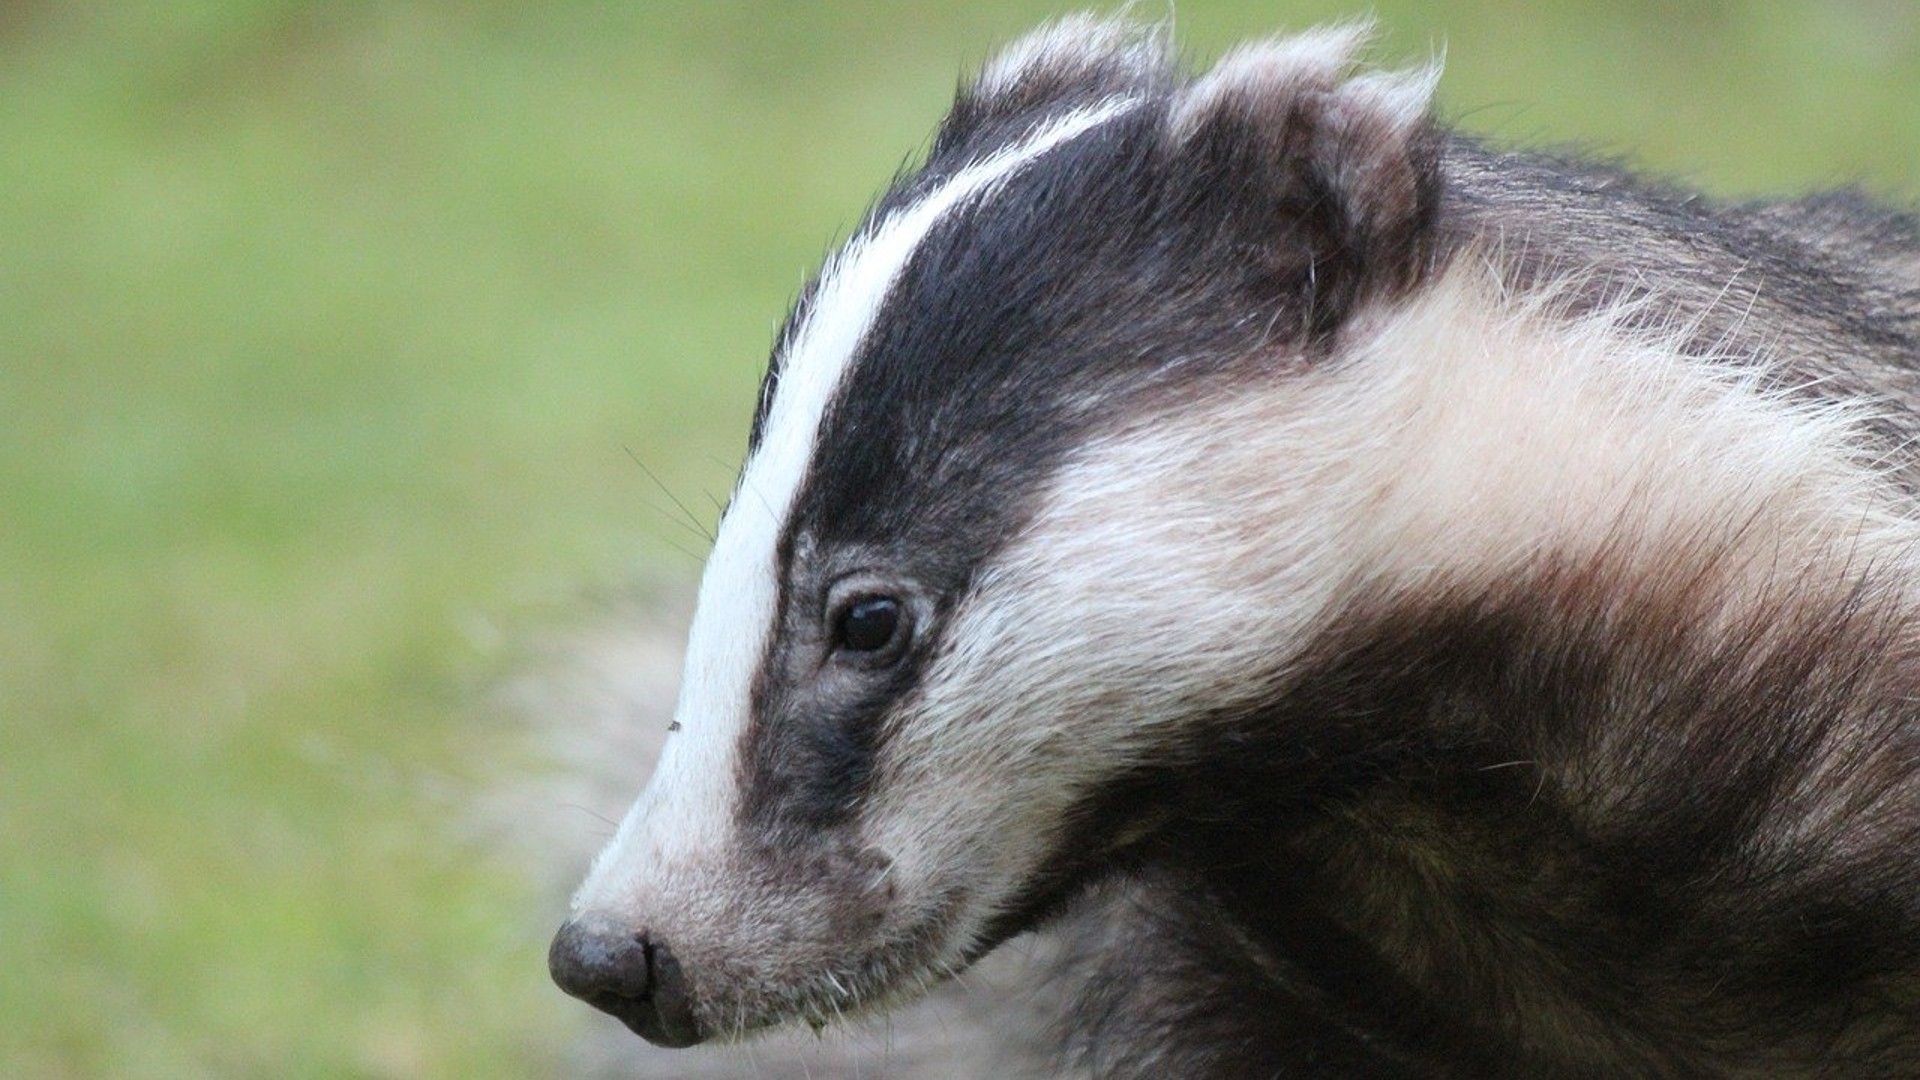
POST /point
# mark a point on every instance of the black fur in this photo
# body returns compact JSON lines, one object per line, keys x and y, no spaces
{"x":1236,"y":249}
{"x":1561,"y":828}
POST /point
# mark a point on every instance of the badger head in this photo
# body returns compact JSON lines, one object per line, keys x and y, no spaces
{"x":1002,"y":549}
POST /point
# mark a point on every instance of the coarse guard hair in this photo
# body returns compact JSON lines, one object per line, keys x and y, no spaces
{"x":1430,"y":610}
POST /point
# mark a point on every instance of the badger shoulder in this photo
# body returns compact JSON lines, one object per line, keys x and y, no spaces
{"x":1833,"y":275}
{"x":1861,"y":239}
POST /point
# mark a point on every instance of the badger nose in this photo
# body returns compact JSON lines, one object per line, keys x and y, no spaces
{"x":633,"y":977}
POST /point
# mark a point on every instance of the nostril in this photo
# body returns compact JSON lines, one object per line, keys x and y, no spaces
{"x":633,"y":977}
{"x":672,"y":999}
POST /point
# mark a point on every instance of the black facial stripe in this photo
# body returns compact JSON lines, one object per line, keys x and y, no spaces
{"x":1120,"y":266}
{"x":809,"y":756}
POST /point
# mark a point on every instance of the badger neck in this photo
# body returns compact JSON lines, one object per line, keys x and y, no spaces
{"x":1601,"y":749}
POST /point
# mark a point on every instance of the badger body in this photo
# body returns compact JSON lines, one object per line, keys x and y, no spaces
{"x":1422,"y":610}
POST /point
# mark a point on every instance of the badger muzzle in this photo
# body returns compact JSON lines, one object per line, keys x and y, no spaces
{"x":686,"y":947}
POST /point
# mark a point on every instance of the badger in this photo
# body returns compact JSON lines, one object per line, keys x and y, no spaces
{"x":1427,"y":609}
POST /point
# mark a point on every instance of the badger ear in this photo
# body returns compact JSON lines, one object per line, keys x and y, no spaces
{"x":1073,"y":60}
{"x":1336,"y":175}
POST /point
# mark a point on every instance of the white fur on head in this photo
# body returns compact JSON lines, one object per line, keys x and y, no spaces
{"x":1280,"y":69}
{"x":687,"y":808}
{"x":1401,"y":98}
{"x":1074,"y":47}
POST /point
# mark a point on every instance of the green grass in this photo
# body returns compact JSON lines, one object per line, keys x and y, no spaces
{"x":325,"y":333}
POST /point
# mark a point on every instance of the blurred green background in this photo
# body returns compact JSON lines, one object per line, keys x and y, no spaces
{"x":326,"y":333}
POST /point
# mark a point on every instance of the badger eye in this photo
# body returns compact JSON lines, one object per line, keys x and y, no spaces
{"x":868,"y":624}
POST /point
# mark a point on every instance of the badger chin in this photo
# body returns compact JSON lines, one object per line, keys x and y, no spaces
{"x":884,"y":976}
{"x":900,"y":970}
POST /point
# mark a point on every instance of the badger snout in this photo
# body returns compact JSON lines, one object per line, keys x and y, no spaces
{"x":633,"y":977}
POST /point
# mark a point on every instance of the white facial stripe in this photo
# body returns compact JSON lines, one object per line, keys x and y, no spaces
{"x":1076,"y":47}
{"x":692,"y":794}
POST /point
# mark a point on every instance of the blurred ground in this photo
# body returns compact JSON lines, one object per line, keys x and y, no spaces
{"x":330,"y":336}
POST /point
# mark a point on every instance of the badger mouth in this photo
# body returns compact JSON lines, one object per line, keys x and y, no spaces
{"x":894,"y":971}
{"x":860,"y":980}
{"x":770,"y":955}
